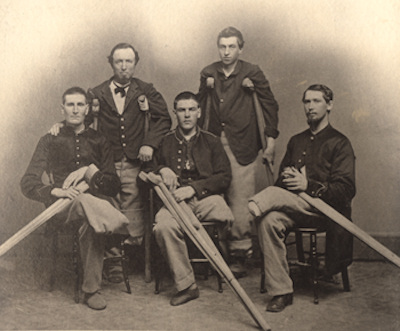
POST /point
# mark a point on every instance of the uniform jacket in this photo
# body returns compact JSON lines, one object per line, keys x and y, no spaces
{"x":329,"y":161}
{"x":212,"y":163}
{"x":62,"y":154}
{"x":232,"y":108}
{"x":126,"y":132}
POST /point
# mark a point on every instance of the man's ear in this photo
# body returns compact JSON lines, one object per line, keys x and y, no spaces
{"x":330,"y":106}
{"x":87,"y":109}
{"x":199,"y":113}
{"x":62,"y":110}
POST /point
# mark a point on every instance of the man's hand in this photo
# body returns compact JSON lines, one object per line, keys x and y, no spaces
{"x":294,"y":180}
{"x":74,"y":178}
{"x":184,"y":193}
{"x":95,"y":107}
{"x":70,"y":193}
{"x":269,"y":152}
{"x":145,"y":153}
{"x":247,"y":83}
{"x":210,"y":82}
{"x":169,"y":178}
{"x":55,"y":129}
{"x":143,"y":103}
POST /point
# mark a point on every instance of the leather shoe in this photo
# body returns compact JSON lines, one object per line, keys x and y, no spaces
{"x":95,"y":301}
{"x":279,"y":302}
{"x":185,"y":296}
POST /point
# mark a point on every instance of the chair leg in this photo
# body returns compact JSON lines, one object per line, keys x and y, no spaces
{"x":262,"y":282}
{"x":148,"y":238}
{"x":124,"y":263}
{"x":345,"y":279}
{"x":299,"y":247}
{"x":54,"y":253}
{"x":314,"y":264}
{"x":76,"y":261}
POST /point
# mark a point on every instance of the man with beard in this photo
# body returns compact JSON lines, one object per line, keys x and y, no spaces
{"x":319,"y":161}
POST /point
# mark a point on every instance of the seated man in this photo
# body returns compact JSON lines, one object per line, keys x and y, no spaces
{"x":194,"y":166}
{"x":79,"y":153}
{"x":319,"y":161}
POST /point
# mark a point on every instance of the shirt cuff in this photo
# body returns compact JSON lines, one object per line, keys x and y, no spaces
{"x":91,"y":170}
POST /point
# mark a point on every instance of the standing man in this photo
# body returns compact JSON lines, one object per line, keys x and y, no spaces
{"x":228,"y":85}
{"x":319,"y":161}
{"x":134,"y":117}
{"x":125,"y":102}
{"x":79,"y":153}
{"x":194,"y":166}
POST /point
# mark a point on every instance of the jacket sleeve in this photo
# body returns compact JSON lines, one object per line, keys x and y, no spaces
{"x":286,"y":162}
{"x":221,"y":176}
{"x":31,"y":183}
{"x":160,"y":120}
{"x":267,"y":100}
{"x":340,"y":187}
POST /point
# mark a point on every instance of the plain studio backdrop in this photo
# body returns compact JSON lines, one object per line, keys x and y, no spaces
{"x":353,"y":47}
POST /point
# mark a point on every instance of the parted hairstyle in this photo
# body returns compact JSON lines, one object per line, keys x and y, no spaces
{"x":231,"y":32}
{"x":327,"y":93}
{"x":123,"y":46}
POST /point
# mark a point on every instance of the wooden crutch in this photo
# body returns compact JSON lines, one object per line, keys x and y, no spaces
{"x":338,"y":218}
{"x":261,"y":129}
{"x":195,"y":231}
{"x":42,"y":218}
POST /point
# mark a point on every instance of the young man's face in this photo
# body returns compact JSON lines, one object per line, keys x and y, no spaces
{"x":75,"y":109}
{"x":315,"y":106}
{"x":123,"y":64}
{"x":229,"y":50}
{"x":187,"y":113}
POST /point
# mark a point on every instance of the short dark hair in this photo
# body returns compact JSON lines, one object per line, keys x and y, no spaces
{"x":231,"y":32}
{"x":74,"y":90}
{"x":123,"y":46}
{"x":327,"y":93}
{"x":186,"y":95}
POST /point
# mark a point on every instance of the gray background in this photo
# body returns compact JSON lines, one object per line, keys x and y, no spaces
{"x":353,"y":47}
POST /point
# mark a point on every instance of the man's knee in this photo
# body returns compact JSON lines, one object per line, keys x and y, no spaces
{"x":272,"y":223}
{"x":165,"y":225}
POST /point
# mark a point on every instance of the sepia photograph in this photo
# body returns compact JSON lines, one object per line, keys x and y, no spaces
{"x":200,"y":165}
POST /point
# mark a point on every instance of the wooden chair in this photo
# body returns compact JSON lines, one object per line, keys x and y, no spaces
{"x":152,"y":253}
{"x":53,"y":232}
{"x":311,"y":262}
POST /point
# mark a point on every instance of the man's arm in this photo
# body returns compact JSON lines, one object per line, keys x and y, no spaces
{"x":267,"y":100}
{"x":340,"y":187}
{"x":160,"y":120}
{"x":31,"y":183}
{"x":221,"y":177}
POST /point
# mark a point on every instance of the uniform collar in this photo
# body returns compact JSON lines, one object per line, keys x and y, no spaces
{"x":234,"y":72}
{"x":180,"y":138}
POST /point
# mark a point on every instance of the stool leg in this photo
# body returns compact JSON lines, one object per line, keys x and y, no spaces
{"x":124,"y":263}
{"x":345,"y":279}
{"x":313,"y":249}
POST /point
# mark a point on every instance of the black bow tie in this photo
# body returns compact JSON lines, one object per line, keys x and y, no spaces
{"x":120,"y":90}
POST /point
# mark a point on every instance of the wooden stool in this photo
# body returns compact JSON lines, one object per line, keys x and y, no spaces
{"x":311,"y":262}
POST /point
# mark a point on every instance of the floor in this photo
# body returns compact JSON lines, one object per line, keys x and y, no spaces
{"x":372,"y":304}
